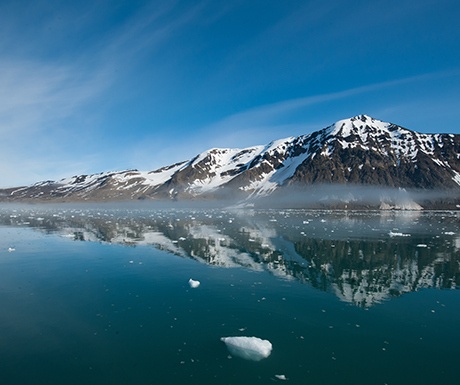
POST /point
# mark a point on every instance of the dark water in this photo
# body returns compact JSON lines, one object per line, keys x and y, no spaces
{"x":101,"y":296}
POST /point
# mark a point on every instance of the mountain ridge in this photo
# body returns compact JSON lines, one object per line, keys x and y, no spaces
{"x":357,"y":151}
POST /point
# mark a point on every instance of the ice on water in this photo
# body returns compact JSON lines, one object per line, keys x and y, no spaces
{"x":193,"y":284}
{"x":249,"y":348}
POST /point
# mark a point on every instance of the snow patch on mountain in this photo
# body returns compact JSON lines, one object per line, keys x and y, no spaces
{"x":220,"y":165}
{"x":456,"y":177}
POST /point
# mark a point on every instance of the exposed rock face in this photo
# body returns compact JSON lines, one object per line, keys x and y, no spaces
{"x":356,"y":151}
{"x":363,"y":150}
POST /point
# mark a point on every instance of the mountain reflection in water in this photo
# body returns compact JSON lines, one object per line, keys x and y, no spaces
{"x":362,"y":257}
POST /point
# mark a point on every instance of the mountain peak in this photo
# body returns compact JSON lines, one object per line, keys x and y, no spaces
{"x":360,"y":125}
{"x":358,"y":150}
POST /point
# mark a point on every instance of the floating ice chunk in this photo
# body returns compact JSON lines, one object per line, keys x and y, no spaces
{"x":395,"y":234}
{"x":11,"y":249}
{"x":249,"y":348}
{"x":193,"y":284}
{"x":422,"y":245}
{"x":281,"y":377}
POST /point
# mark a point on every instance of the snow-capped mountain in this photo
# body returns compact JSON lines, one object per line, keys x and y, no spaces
{"x":356,"y":151}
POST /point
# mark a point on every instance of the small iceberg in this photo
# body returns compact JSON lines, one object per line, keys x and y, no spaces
{"x":193,"y":284}
{"x":249,"y":348}
{"x":396,"y":234}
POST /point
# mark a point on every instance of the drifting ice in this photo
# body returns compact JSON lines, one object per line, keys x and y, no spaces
{"x":393,"y":234}
{"x":193,"y":284}
{"x":249,"y":348}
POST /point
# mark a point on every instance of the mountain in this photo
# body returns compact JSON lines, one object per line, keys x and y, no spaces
{"x":360,"y":151}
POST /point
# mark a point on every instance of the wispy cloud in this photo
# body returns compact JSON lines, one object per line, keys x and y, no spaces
{"x":270,"y":117}
{"x":150,"y":28}
{"x":47,"y":105}
{"x":32,"y":93}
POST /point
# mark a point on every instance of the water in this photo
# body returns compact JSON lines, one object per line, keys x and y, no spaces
{"x":101,"y":296}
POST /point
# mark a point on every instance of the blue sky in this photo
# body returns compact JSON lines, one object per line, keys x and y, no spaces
{"x":93,"y":86}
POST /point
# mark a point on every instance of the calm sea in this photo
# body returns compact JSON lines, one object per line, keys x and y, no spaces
{"x":101,"y":295}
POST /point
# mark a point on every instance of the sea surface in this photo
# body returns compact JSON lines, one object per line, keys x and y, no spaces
{"x":102,"y":295}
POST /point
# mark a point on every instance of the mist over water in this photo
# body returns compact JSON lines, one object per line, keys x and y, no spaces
{"x":339,"y":196}
{"x":316,"y":196}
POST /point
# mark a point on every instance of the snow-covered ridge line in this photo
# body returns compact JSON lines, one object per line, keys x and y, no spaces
{"x":406,"y":142}
{"x":358,"y":150}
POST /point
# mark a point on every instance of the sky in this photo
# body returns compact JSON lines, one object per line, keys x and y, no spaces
{"x":94,"y":86}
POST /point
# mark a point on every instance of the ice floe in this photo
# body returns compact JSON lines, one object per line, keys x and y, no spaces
{"x":397,"y":234}
{"x":193,"y":284}
{"x":249,"y":348}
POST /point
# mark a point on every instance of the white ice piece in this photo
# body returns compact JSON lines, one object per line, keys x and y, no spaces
{"x":193,"y":284}
{"x":396,"y":234}
{"x":249,"y":348}
{"x":11,"y":249}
